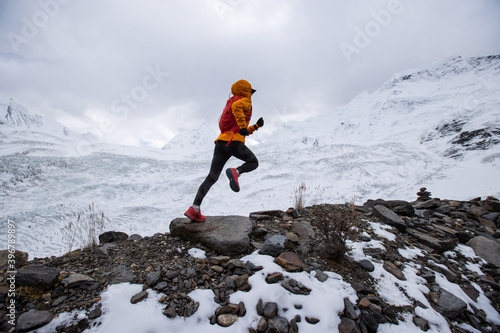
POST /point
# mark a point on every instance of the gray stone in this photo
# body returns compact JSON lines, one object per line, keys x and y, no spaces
{"x":450,"y":305}
{"x":20,"y":258}
{"x":398,"y":206}
{"x":440,"y":245}
{"x":219,"y":260}
{"x":112,"y":236}
{"x":37,"y":276}
{"x":259,"y":232}
{"x":449,"y":231}
{"x":295,"y":287}
{"x":361,"y":288}
{"x":391,"y":268}
{"x":102,"y":251}
{"x":292,"y":237}
{"x":270,"y":309}
{"x":135,"y":237}
{"x":428,"y":276}
{"x":33,"y":319}
{"x":274,"y":245}
{"x":349,"y":310}
{"x":96,"y":313}
{"x":429,"y":204}
{"x":451,"y":276}
{"x":230,"y":308}
{"x":262,"y":325}
{"x":260,"y":307}
{"x":293,"y":327}
{"x":170,"y":312}
{"x":123,"y":274}
{"x":227,"y":235}
{"x":321,"y":276}
{"x":491,"y":204}
{"x":389,"y":217}
{"x":348,"y":325}
{"x":139,"y":297}
{"x":162,"y":285}
{"x":487,"y":249}
{"x":171,"y":275}
{"x":464,"y":237}
{"x":152,"y":278}
{"x":278,"y":324}
{"x":303,"y":229}
{"x":77,"y":280}
{"x":242,"y":309}
{"x":370,"y":323}
{"x":367,"y":265}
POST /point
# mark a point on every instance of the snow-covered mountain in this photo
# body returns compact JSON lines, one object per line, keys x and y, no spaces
{"x":449,"y":108}
{"x":18,"y":116}
{"x":199,"y":139}
{"x":436,"y":126}
{"x":22,"y":132}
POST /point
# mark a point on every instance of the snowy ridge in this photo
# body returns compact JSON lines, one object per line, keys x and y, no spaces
{"x":413,"y":106}
{"x":18,"y":116}
{"x":199,"y":139}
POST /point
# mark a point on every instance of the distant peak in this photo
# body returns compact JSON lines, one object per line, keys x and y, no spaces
{"x":18,"y":116}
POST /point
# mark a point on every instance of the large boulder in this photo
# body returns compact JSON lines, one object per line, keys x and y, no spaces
{"x":33,"y":319}
{"x":112,"y":236}
{"x":487,"y":249}
{"x":37,"y":276}
{"x":450,"y":305}
{"x":10,"y":261}
{"x":227,"y":235}
{"x":400,"y":207}
{"x":389,"y":217}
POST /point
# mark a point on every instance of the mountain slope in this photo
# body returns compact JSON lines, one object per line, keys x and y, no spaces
{"x":446,"y":105}
{"x":436,"y":126}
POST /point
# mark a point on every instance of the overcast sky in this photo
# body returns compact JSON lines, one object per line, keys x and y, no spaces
{"x":142,"y":71}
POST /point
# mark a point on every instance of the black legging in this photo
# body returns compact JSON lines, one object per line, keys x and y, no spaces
{"x":222,"y":153}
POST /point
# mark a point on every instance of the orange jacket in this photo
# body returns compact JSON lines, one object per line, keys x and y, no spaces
{"x":241,"y":108}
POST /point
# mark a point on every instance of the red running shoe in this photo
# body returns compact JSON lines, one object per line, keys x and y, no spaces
{"x":194,"y":214}
{"x":232,"y":174}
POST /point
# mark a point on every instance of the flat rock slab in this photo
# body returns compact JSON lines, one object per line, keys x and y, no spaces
{"x":487,"y":249}
{"x":450,"y":305}
{"x":439,"y":245}
{"x":290,"y":262}
{"x":77,"y":280}
{"x":389,"y":217}
{"x":33,"y":319}
{"x":227,"y":235}
{"x":37,"y":276}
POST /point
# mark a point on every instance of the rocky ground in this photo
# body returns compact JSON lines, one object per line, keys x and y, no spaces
{"x":46,"y":287}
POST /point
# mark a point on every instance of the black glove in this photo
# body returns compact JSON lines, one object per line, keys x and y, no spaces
{"x":244,"y":131}
{"x":260,"y":122}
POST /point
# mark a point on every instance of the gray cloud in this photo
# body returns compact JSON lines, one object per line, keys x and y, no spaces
{"x":86,"y":63}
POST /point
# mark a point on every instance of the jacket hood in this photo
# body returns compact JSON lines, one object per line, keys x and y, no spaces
{"x":242,"y":88}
